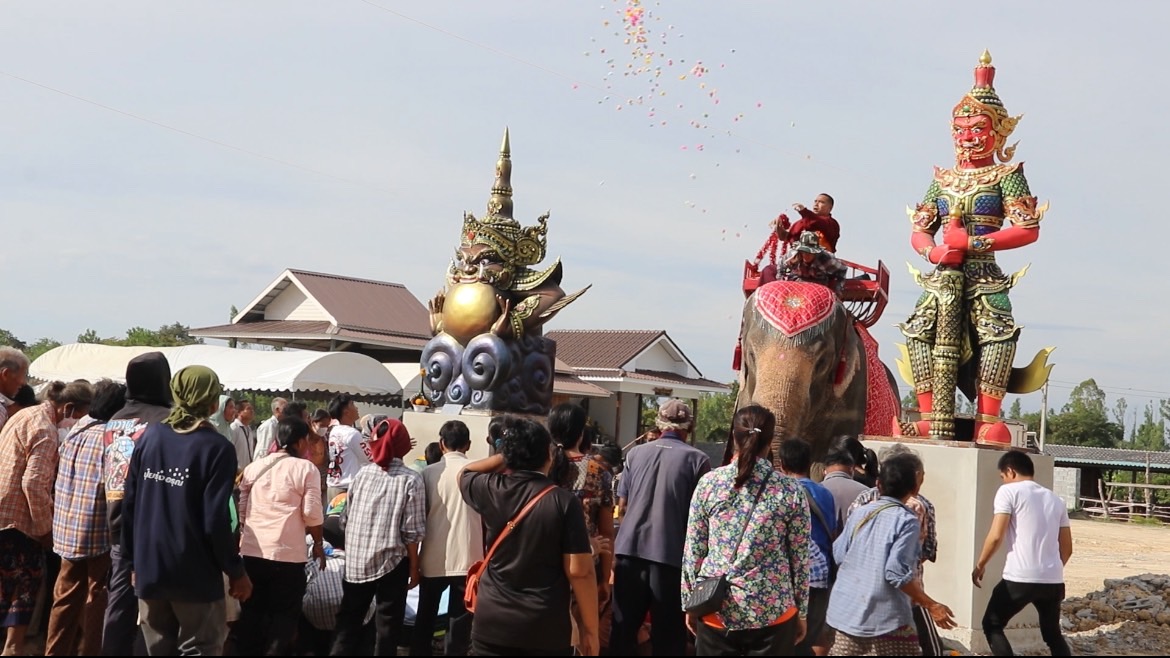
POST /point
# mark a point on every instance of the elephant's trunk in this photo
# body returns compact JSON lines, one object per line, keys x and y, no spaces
{"x":788,"y":375}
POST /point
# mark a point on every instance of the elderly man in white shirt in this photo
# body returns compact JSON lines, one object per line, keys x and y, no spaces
{"x":453,"y":543}
{"x":266,"y":433}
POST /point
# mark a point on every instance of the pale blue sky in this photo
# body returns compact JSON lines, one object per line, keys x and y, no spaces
{"x":111,"y":221}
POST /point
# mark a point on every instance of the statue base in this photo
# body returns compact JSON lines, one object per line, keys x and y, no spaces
{"x":490,"y":374}
{"x":961,"y":481}
{"x":424,"y":428}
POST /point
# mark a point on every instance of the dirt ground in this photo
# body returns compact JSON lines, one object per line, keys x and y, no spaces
{"x":1111,"y":549}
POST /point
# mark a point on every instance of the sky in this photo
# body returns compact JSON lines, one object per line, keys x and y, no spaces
{"x":160,"y":162}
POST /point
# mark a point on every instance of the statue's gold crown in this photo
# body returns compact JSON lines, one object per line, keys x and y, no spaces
{"x":982,"y":99}
{"x":517,"y":246}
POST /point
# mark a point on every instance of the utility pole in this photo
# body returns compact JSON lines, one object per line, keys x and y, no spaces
{"x":1043,"y":414}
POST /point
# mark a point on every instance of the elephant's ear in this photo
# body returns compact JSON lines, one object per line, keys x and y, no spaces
{"x":849,"y":365}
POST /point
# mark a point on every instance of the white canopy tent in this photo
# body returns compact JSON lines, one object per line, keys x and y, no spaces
{"x":408,"y":376}
{"x":238,"y":369}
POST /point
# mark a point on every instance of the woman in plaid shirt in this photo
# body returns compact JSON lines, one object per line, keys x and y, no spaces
{"x":81,"y":534}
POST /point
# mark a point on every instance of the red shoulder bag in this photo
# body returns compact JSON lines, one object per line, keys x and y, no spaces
{"x":471,"y":594}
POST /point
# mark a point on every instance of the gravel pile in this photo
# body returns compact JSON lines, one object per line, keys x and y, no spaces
{"x":1129,"y":616}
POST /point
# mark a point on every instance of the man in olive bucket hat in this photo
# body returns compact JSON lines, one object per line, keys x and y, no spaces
{"x":164,"y":525}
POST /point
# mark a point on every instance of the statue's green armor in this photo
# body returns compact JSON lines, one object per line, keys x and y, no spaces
{"x":964,"y":312}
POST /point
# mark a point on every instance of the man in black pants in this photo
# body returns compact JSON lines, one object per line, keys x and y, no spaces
{"x":1034,"y":522}
{"x":654,"y":497}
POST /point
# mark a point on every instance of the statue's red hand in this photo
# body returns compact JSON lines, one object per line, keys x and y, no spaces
{"x":955,"y":236}
{"x":944,"y":255}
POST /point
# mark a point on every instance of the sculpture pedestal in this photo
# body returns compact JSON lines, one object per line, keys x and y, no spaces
{"x":424,"y":428}
{"x":961,"y":481}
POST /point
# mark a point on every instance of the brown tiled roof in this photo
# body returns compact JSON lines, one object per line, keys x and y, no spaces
{"x":302,"y":330}
{"x":365,"y":305}
{"x":653,"y":376}
{"x":574,"y":386}
{"x":412,"y":342}
{"x":592,"y":348}
{"x":266,"y":328}
{"x":672,"y":378}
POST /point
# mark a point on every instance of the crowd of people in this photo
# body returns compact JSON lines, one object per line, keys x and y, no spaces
{"x":171,"y":516}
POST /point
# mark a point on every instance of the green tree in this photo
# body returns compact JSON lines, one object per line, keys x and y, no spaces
{"x":1150,"y":434}
{"x":169,"y":335}
{"x":1084,"y":421}
{"x":89,"y":336}
{"x":648,"y":414}
{"x":1015,"y":411}
{"x":1031,"y":420}
{"x":1119,"y":409}
{"x":910,"y":401}
{"x":1086,"y":397}
{"x":713,"y":417}
{"x":232,"y":342}
{"x":7,"y":339}
{"x":40,"y":347}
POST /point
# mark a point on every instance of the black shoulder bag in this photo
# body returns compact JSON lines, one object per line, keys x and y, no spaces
{"x":710,"y":593}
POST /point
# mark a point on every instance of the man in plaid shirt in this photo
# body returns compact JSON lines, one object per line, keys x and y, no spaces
{"x":385,"y":520}
{"x":81,"y":534}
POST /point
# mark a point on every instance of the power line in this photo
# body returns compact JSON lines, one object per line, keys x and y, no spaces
{"x":188,"y":133}
{"x":1114,"y":389}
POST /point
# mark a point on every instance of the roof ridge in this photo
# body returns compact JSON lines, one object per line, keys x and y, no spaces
{"x":339,"y":277}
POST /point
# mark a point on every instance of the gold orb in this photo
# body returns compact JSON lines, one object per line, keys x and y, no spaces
{"x":470,"y":310}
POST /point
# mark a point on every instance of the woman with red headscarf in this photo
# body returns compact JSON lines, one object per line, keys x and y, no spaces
{"x":384,"y":521}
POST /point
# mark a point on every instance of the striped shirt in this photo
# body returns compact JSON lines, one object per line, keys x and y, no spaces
{"x":28,"y":466}
{"x":924,"y":510}
{"x":80,"y":528}
{"x":878,"y":555}
{"x":384,"y":512}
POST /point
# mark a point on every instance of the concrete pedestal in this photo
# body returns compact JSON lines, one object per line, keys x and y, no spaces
{"x":961,"y":481}
{"x":424,"y":428}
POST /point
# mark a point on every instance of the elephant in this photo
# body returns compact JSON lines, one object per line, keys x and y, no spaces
{"x":808,"y":360}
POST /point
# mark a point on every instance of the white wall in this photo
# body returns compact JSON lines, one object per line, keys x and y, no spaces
{"x":292,"y":304}
{"x":1066,"y":483}
{"x":659,"y":357}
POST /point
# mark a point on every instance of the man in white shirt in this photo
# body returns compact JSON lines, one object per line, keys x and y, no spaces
{"x":242,"y":436}
{"x":1034,"y":522}
{"x":453,"y":543}
{"x":348,"y":451}
{"x":266,"y":433}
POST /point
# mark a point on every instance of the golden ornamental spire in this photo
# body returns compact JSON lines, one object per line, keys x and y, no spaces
{"x":985,"y":58}
{"x":500,"y":202}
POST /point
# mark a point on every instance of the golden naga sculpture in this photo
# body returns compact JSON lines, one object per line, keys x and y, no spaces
{"x":491,"y":286}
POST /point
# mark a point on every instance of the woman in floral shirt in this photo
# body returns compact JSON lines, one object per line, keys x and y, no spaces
{"x":767,"y":568}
